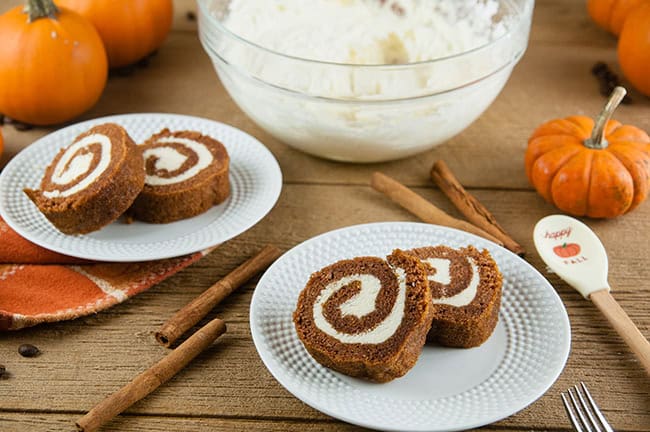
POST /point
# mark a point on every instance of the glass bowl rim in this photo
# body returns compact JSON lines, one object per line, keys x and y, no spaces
{"x":523,"y":12}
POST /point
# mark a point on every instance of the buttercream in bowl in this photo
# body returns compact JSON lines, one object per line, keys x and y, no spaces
{"x":364,"y":80}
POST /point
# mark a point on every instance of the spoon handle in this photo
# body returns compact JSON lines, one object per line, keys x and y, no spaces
{"x":623,"y":325}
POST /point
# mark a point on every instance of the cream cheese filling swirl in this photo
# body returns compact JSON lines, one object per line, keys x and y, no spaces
{"x":171,"y":164}
{"x":79,"y":166}
{"x":443,"y":276}
{"x":360,"y":305}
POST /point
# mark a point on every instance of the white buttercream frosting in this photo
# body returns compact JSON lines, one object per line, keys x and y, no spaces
{"x":167,"y":158}
{"x":364,"y":302}
{"x":442,"y":266}
{"x":73,"y":165}
{"x":361,"y":305}
{"x":442,"y":275}
{"x":170,"y":159}
{"x":364,"y":31}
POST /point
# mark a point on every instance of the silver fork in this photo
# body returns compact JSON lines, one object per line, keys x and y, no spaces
{"x":584,"y":414}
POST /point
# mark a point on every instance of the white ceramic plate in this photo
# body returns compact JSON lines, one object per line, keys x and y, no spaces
{"x":255,"y":177}
{"x":448,"y":389}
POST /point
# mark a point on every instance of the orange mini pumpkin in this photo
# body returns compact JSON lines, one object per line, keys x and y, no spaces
{"x":53,"y":64}
{"x":599,"y":171}
{"x":634,"y":48}
{"x":611,"y":14}
{"x":130,"y":29}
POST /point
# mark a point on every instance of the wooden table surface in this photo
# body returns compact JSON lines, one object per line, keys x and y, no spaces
{"x":227,"y":387}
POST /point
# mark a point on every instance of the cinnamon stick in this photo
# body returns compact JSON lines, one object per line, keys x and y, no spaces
{"x":422,"y":208}
{"x":152,"y":378}
{"x":470,"y":207}
{"x":198,"y":308}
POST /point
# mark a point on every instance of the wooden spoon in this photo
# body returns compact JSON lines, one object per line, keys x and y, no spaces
{"x":573,"y":251}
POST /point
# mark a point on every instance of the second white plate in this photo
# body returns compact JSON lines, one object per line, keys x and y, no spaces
{"x":448,"y":389}
{"x":255,"y":178}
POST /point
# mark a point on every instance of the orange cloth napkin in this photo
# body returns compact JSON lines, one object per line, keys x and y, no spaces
{"x":38,"y":285}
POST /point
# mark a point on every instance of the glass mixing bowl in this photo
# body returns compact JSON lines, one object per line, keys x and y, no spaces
{"x":364,"y":113}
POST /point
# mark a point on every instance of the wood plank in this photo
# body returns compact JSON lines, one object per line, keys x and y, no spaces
{"x":566,"y":22}
{"x":87,"y":359}
{"x":5,"y":5}
{"x":185,"y":16}
{"x":37,"y":422}
{"x":19,"y":422}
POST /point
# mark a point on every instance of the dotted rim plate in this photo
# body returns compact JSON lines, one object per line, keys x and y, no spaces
{"x":255,"y":177}
{"x":448,"y":389}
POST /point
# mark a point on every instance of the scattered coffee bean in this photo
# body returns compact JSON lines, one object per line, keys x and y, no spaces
{"x":607,"y":80}
{"x":2,"y":370}
{"x":28,"y":350}
{"x":191,"y":16}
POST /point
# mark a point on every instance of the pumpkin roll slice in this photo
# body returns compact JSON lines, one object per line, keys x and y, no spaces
{"x":90,"y":183}
{"x":366,"y":317}
{"x":186,"y":174}
{"x":466,"y":294}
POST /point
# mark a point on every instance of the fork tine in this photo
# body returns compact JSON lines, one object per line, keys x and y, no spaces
{"x":595,"y":408}
{"x":579,"y":411}
{"x":586,"y":409}
{"x":569,"y":412}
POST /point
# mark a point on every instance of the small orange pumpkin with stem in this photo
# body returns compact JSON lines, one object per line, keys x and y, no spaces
{"x":53,"y":65}
{"x":598,"y":170}
{"x":634,"y":48}
{"x":130,"y":29}
{"x":611,"y":14}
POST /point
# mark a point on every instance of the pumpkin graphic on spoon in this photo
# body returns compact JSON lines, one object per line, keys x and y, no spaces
{"x":567,"y":250}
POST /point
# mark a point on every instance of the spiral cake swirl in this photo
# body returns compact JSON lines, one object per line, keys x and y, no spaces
{"x":186,"y":174}
{"x":466,"y":294}
{"x":366,"y":317}
{"x":92,"y":182}
{"x":79,"y":166}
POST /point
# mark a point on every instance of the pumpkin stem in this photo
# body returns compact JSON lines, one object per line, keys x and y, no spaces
{"x":40,"y":9}
{"x":597,"y":139}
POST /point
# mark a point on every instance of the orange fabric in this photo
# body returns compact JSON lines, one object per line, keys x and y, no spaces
{"x":16,"y":250}
{"x":38,"y":286}
{"x":65,"y":289}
